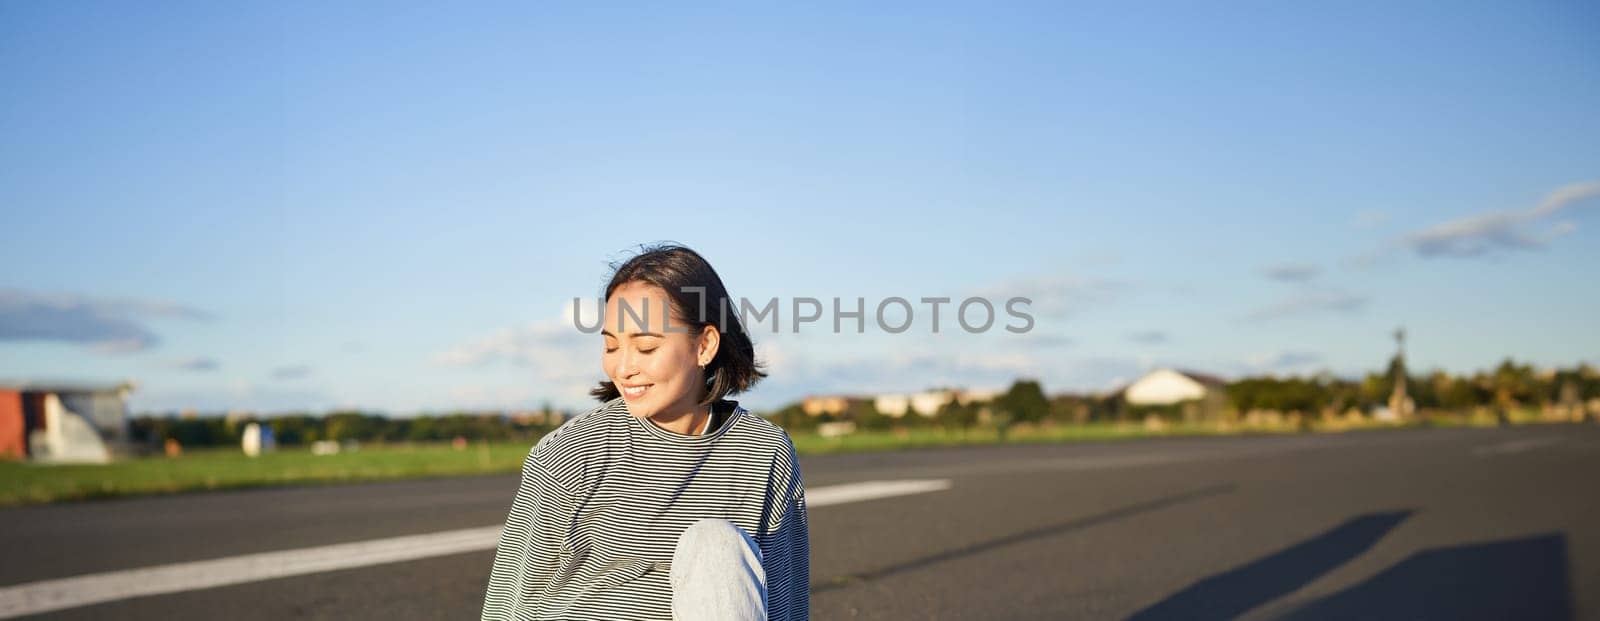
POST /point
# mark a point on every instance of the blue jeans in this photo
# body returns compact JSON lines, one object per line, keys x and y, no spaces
{"x":717,"y":574}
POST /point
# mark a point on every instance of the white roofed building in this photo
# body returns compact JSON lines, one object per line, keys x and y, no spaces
{"x":1188,"y":395}
{"x":1169,"y":386}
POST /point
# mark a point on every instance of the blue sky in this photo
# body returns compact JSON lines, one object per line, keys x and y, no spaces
{"x":390,"y":206}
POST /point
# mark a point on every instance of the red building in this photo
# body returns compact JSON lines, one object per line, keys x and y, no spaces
{"x":63,"y":422}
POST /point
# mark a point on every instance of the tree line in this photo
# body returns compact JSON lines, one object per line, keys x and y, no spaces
{"x":341,"y":426}
{"x":1507,"y":387}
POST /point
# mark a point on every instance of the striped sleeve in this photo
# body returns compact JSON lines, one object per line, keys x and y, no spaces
{"x":786,"y":554}
{"x":528,"y":555}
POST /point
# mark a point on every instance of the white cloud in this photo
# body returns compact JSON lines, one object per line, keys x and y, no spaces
{"x":536,"y":344}
{"x":562,"y":362}
{"x":1511,"y":229}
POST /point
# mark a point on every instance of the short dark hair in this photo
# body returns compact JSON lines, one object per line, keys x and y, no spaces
{"x":685,"y":275}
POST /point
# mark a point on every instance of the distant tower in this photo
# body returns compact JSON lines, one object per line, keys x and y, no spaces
{"x":1399,"y":404}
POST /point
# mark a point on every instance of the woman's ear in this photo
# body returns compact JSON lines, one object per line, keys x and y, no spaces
{"x":710,"y":339}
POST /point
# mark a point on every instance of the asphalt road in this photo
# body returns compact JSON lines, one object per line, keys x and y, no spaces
{"x":1414,"y":524}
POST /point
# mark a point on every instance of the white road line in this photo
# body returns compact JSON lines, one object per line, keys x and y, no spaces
{"x":47,"y":595}
{"x":1512,"y":447}
{"x":869,"y":490}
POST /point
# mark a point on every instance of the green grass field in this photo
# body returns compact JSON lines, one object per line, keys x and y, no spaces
{"x":214,"y":469}
{"x":231,"y":469}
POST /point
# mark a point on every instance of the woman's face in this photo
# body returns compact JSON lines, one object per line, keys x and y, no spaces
{"x":656,"y":370}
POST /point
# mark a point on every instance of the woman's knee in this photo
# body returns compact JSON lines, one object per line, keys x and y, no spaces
{"x":713,"y":533}
{"x":716,"y":538}
{"x":717,"y":573}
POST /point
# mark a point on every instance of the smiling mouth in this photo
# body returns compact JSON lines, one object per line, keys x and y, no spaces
{"x":633,"y":392}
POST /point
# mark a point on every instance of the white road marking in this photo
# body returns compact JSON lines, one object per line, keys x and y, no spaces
{"x":47,"y":595}
{"x":1512,"y":447}
{"x":870,"y":490}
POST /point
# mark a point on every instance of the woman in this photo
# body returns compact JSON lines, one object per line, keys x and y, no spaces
{"x":667,"y":501}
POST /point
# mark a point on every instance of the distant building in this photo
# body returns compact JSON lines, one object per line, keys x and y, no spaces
{"x":928,"y":402}
{"x":895,"y":405}
{"x":823,"y":404}
{"x":63,"y":423}
{"x":836,"y":405}
{"x":1169,"y":386}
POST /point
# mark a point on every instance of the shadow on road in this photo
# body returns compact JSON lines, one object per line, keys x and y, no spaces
{"x":1230,"y":594}
{"x":839,"y":582}
{"x":1509,"y":579}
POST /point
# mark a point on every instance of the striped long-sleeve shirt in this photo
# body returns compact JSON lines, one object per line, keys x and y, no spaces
{"x":604,"y":497}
